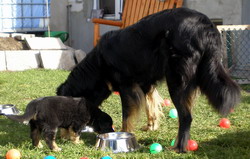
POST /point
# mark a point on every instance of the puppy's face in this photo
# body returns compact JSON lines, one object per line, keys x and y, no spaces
{"x":102,"y":123}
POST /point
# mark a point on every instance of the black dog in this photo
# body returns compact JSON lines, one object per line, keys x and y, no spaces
{"x":45,"y":115}
{"x":180,"y":45}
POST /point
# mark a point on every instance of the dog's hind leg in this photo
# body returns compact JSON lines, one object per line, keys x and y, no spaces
{"x":64,"y":133}
{"x":35,"y":134}
{"x":133,"y":99}
{"x":153,"y":109}
{"x":182,"y":91}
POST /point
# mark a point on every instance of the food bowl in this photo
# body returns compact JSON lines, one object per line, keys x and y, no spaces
{"x":8,"y":109}
{"x":117,"y":142}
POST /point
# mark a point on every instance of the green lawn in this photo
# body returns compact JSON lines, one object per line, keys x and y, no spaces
{"x":20,"y":88}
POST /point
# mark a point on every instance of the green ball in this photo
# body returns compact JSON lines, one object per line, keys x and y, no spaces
{"x":172,"y":143}
{"x":173,"y":113}
{"x":155,"y":148}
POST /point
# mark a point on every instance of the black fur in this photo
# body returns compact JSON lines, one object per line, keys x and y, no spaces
{"x":180,"y":45}
{"x":45,"y":115}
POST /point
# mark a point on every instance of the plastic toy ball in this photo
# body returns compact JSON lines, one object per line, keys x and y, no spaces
{"x":106,"y":157}
{"x":155,"y":148}
{"x":116,"y":93}
{"x":192,"y":145}
{"x":173,"y":142}
{"x":224,"y":123}
{"x":13,"y":154}
{"x":173,"y":113}
{"x":166,"y":102}
{"x":49,"y":157}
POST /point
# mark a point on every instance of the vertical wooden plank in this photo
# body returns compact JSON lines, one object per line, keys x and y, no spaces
{"x":96,"y":33}
{"x":146,"y":9}
{"x":166,"y":4}
{"x":171,"y":4}
{"x":161,"y":6}
{"x":134,"y":6}
{"x":156,"y":7}
{"x":179,"y":3}
{"x":124,"y":14}
{"x":137,"y":11}
{"x":143,"y":6}
{"x":128,"y":14}
{"x":152,"y":6}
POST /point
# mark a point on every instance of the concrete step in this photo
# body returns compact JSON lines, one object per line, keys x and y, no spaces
{"x":46,"y":43}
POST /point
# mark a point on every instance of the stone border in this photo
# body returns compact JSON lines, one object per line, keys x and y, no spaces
{"x":32,"y":59}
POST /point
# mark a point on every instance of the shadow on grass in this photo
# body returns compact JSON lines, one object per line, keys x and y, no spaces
{"x":230,"y":145}
{"x":12,"y":132}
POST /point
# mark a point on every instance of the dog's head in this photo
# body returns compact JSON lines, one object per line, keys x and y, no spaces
{"x":101,"y":122}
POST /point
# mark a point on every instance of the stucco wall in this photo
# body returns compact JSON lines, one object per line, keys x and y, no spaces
{"x":58,"y":20}
{"x":228,"y":10}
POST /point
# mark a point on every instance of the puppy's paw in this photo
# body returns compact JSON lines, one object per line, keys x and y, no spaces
{"x":40,"y":145}
{"x":57,"y":149}
{"x":78,"y":142}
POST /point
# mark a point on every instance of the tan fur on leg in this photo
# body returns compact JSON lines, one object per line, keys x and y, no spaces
{"x":135,"y":107}
{"x":55,"y":147}
{"x":74,"y":137}
{"x":153,"y":109}
{"x":64,"y":133}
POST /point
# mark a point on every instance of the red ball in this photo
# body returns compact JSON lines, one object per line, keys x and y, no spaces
{"x":166,"y":102}
{"x":116,"y":93}
{"x":224,"y":123}
{"x":192,"y":145}
{"x":84,"y":158}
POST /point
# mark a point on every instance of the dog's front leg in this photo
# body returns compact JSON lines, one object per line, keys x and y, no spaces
{"x":133,"y":99}
{"x":50,"y":138}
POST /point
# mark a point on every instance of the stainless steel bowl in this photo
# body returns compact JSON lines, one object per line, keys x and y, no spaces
{"x":117,"y":142}
{"x":8,"y":109}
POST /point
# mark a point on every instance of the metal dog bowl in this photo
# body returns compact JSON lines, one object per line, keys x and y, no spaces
{"x":8,"y":109}
{"x":117,"y":142}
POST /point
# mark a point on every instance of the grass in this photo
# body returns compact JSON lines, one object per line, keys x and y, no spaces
{"x":20,"y":88}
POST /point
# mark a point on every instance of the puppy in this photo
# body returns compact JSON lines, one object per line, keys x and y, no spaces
{"x":45,"y":115}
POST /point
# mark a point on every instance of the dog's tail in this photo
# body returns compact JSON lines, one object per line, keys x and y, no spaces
{"x":214,"y":81}
{"x":29,"y":114}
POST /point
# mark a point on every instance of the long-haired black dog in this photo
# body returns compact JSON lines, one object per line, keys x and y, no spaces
{"x":180,"y":45}
{"x":45,"y":115}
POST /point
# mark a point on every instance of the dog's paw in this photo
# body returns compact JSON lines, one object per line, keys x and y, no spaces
{"x":179,"y":150}
{"x":40,"y":145}
{"x":149,"y":128}
{"x":57,"y":149}
{"x":78,"y":142}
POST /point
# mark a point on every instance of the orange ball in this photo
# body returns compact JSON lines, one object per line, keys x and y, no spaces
{"x":13,"y":154}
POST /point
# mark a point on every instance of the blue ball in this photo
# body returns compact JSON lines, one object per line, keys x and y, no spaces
{"x":106,"y":157}
{"x":49,"y":157}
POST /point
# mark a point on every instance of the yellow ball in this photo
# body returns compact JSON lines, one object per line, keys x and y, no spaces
{"x":13,"y":154}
